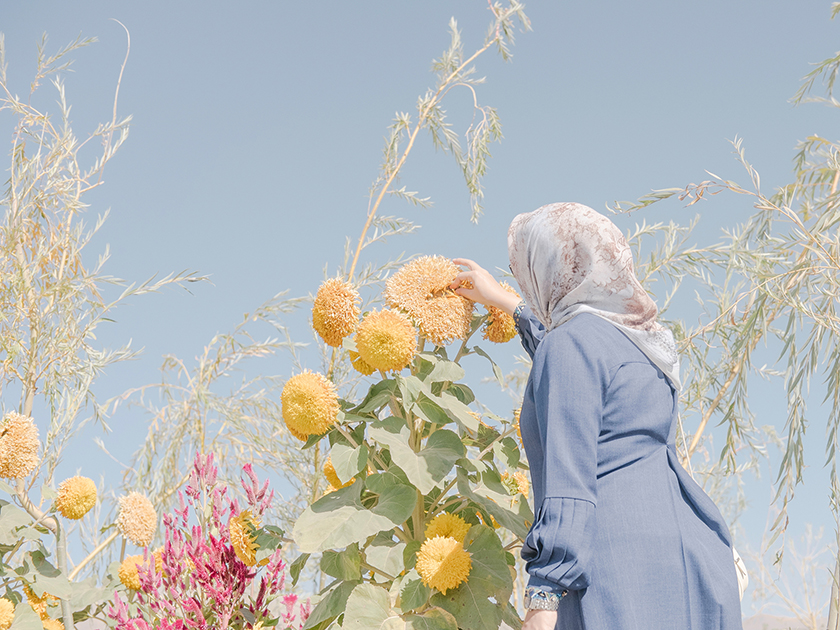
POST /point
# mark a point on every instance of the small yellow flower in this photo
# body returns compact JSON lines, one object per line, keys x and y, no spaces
{"x":243,"y":537}
{"x":359,"y":365}
{"x":446,"y":524}
{"x":52,"y":624}
{"x":516,"y":483}
{"x":443,"y":563}
{"x":386,"y":340}
{"x":421,"y":289}
{"x":332,"y":476}
{"x":128,"y":573}
{"x":500,"y":327}
{"x":310,"y":404}
{"x":335,"y":312}
{"x":18,"y":446}
{"x":137,"y":519}
{"x":7,"y":613}
{"x":76,"y":496}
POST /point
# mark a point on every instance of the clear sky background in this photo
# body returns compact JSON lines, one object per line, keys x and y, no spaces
{"x":258,"y":128}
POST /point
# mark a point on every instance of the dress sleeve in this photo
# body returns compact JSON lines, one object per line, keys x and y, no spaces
{"x":531,"y":331}
{"x":568,"y":389}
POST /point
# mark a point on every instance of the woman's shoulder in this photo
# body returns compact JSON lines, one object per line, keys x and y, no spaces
{"x":589,"y":334}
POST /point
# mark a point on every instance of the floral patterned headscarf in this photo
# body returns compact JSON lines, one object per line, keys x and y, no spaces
{"x":569,"y":259}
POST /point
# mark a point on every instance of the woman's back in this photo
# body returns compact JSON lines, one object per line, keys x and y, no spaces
{"x":618,"y":519}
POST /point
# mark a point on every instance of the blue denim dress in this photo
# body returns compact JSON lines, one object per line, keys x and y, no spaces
{"x":619,"y":523}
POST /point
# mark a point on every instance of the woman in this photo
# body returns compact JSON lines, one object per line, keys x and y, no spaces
{"x":623,"y":538}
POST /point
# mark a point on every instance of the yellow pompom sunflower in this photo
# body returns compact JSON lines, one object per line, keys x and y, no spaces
{"x":7,"y":613}
{"x":421,"y":289}
{"x":335,"y":311}
{"x":242,"y":529}
{"x":76,"y":496}
{"x":443,"y":563}
{"x":359,"y":365}
{"x":128,"y":573}
{"x":500,"y":327}
{"x":52,"y":624}
{"x":310,"y":404}
{"x":517,"y":483}
{"x":137,"y":519}
{"x":332,"y":477}
{"x":18,"y":446}
{"x":386,"y":340}
{"x":446,"y":524}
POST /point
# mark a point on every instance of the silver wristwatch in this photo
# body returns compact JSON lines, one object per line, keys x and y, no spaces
{"x":537,"y":599}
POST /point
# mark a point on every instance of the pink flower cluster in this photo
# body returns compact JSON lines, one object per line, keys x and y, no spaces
{"x":202,"y":584}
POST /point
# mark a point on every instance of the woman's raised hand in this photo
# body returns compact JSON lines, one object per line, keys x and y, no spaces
{"x":485,"y":289}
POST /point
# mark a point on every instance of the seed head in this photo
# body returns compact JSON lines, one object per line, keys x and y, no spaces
{"x":310,"y":404}
{"x":443,"y":563}
{"x":76,"y":496}
{"x":335,"y":311}
{"x":446,"y":524}
{"x":18,"y":446}
{"x":499,"y":326}
{"x":137,"y":519}
{"x":421,"y":289}
{"x":386,"y":340}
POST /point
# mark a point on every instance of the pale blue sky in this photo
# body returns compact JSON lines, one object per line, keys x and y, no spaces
{"x":258,"y":128}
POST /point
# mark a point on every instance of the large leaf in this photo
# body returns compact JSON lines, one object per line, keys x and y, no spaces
{"x":413,"y":593}
{"x":517,"y":520}
{"x":331,"y":606}
{"x":458,"y":411}
{"x":11,"y":519}
{"x":348,"y":461}
{"x":25,"y":618}
{"x":344,"y":565}
{"x":432,"y":619}
{"x":369,"y":608}
{"x":474,"y":602}
{"x":378,"y":396}
{"x":297,"y":566}
{"x":386,"y":555}
{"x":426,"y":468}
{"x":339,"y":519}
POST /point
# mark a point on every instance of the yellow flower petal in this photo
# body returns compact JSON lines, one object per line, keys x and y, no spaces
{"x":443,"y":563}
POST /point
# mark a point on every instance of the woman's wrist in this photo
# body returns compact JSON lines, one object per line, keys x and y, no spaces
{"x":506,"y":301}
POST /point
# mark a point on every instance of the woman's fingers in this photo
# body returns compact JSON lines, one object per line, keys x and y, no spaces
{"x":466,"y":262}
{"x":459,"y":279}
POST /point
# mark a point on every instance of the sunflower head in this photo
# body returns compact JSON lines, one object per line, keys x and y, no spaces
{"x":129,"y":574}
{"x":446,"y":524}
{"x":18,"y":446}
{"x":421,"y":289}
{"x":359,"y":364}
{"x":243,"y":536}
{"x":499,"y":326}
{"x":335,"y":311}
{"x":52,"y":624}
{"x":386,"y":340}
{"x":310,"y":404}
{"x":443,"y":563}
{"x":137,"y":519}
{"x":76,"y":496}
{"x":7,"y":613}
{"x":39,"y":604}
{"x":332,"y":476}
